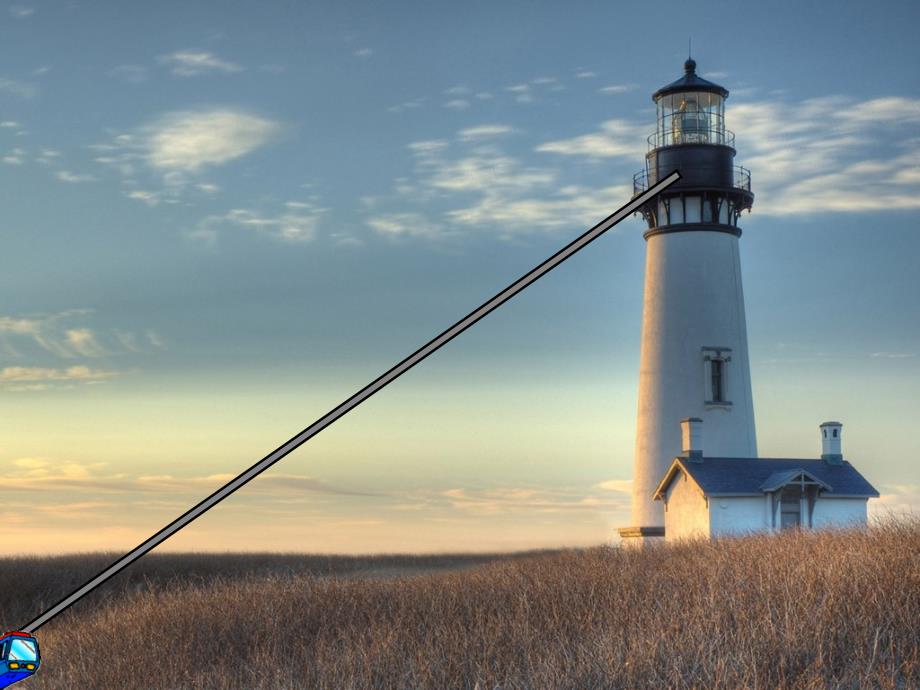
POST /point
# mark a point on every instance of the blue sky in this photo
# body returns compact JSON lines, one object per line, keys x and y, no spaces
{"x":218,"y":224}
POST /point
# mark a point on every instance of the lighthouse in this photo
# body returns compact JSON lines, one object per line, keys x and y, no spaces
{"x":694,"y":355}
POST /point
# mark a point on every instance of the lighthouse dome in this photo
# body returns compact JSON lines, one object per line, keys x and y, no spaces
{"x":690,"y":82}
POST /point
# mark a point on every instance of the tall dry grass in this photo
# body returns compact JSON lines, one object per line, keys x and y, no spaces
{"x":798,"y":610}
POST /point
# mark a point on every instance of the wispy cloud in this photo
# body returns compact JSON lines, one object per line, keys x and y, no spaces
{"x":30,"y":379}
{"x":58,"y":335}
{"x":407,"y":105}
{"x":20,"y":89}
{"x":457,"y":104}
{"x":522,"y":92}
{"x":15,"y":157}
{"x":617,"y":89}
{"x":296,"y":223}
{"x":486,"y":189}
{"x":510,"y":500}
{"x":363,"y":52}
{"x":84,"y":342}
{"x":194,"y":63}
{"x":21,"y":11}
{"x":44,"y":474}
{"x":484,"y":132}
{"x":133,"y":74}
{"x":72,"y":177}
{"x":615,"y":139}
{"x":398,"y":225}
{"x":831,"y":154}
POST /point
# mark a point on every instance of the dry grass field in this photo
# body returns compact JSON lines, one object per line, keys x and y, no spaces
{"x":798,"y":610}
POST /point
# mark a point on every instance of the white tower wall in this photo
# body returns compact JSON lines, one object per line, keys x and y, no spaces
{"x":693,"y":309}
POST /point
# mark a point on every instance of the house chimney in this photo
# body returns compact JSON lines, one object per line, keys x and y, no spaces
{"x":830,"y":443}
{"x":691,"y":430}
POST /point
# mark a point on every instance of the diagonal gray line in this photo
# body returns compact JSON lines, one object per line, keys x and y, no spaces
{"x":355,"y":400}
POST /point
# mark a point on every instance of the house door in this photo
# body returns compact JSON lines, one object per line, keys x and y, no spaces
{"x":790,"y":507}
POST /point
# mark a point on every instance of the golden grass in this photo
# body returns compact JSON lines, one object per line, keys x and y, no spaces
{"x":798,"y":610}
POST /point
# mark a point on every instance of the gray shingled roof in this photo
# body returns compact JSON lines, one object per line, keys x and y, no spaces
{"x":728,"y":476}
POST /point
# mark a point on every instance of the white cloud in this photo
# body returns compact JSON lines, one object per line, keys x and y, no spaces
{"x":173,"y":149}
{"x":617,"y":88}
{"x":9,"y":124}
{"x":620,"y":485}
{"x":83,"y":341}
{"x":405,"y":225}
{"x":72,"y":177}
{"x":74,"y":373}
{"x":585,"y":74}
{"x":297,"y":223}
{"x":483,"y":132}
{"x":427,"y":146}
{"x":148,"y":197}
{"x":21,"y":11}
{"x":190,"y":141}
{"x":407,"y":105}
{"x":488,"y":172}
{"x":616,"y":138}
{"x":574,"y":209}
{"x":457,"y":104}
{"x":363,"y":52}
{"x":56,"y":334}
{"x":830,"y":154}
{"x":192,"y":63}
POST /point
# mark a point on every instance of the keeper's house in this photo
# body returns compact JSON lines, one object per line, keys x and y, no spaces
{"x":712,"y":497}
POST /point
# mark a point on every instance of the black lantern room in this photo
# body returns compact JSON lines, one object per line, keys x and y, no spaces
{"x":691,"y":138}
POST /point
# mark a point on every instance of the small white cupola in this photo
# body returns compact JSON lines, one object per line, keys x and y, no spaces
{"x":830,"y":442}
{"x":691,"y":431}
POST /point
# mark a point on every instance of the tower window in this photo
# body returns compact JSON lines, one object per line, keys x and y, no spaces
{"x":677,"y":211}
{"x":692,"y":208}
{"x":715,"y":375}
{"x":717,"y":380}
{"x":707,"y":211}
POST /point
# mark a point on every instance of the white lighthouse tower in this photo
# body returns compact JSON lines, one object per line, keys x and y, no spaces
{"x":694,"y":358}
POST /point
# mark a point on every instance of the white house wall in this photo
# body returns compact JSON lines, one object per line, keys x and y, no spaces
{"x":839,"y":512}
{"x":686,"y":516}
{"x":737,"y":515}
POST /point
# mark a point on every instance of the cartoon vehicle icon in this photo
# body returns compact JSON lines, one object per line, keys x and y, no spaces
{"x":19,"y":657}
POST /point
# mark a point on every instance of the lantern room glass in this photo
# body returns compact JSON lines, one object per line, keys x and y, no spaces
{"x":691,"y":117}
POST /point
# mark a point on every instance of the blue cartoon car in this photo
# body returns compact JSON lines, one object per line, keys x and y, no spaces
{"x":19,"y":657}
